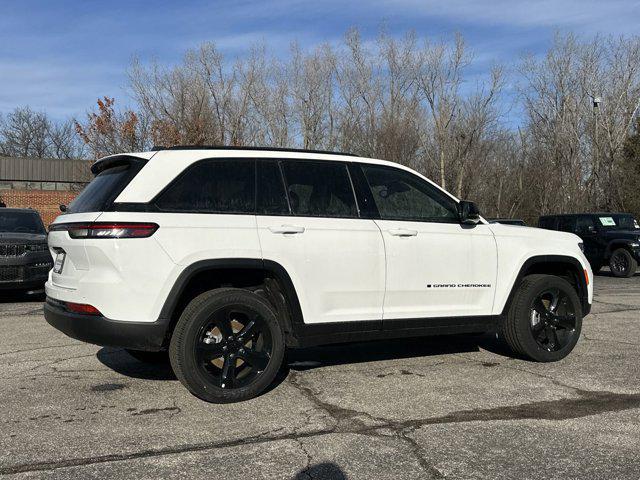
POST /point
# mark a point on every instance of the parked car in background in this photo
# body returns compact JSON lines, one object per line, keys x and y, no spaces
{"x":609,"y":238}
{"x":508,"y":221}
{"x":25,"y":260}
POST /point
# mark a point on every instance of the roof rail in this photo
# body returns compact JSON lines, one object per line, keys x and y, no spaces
{"x":272,"y":149}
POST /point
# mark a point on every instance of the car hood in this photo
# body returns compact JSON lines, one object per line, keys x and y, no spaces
{"x":25,"y":238}
{"x":500,"y":229}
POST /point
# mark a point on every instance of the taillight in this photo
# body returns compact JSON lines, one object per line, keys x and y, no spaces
{"x":82,"y":308}
{"x":106,"y":229}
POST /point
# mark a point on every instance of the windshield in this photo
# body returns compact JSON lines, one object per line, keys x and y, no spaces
{"x":618,"y":222}
{"x":103,"y":189}
{"x":20,"y":222}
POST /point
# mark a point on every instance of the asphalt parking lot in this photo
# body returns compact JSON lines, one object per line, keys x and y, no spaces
{"x":420,"y":408}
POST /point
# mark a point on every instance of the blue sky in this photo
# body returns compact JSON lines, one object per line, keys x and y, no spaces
{"x":60,"y":56}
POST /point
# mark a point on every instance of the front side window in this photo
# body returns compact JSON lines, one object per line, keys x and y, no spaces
{"x":319,"y":189}
{"x":400,"y":195}
{"x":212,"y":186}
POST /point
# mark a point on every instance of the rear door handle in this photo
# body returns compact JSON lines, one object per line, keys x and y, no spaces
{"x":287,"y":229}
{"x":403,"y":232}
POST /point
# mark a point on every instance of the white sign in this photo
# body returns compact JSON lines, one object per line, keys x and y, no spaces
{"x":607,"y":221}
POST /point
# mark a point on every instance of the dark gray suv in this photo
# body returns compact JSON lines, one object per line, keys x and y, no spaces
{"x":25,"y":260}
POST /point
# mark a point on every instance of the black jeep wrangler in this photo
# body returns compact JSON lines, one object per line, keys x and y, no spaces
{"x":609,"y":238}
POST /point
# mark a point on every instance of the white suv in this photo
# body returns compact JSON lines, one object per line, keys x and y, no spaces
{"x":226,"y":256}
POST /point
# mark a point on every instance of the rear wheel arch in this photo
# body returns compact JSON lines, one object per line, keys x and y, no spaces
{"x":265,"y":277}
{"x":562,"y":266}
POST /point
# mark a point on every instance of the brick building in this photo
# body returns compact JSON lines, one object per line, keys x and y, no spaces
{"x":42,"y":183}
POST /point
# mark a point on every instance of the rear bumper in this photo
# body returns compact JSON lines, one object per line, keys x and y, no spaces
{"x":149,"y":336}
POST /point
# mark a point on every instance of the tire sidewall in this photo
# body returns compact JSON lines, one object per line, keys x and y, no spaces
{"x":523,"y":310}
{"x":190,"y":325}
{"x":631,"y":262}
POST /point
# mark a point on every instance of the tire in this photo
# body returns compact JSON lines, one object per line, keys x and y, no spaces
{"x":149,"y":357}
{"x":622,"y":263}
{"x":524,"y":337}
{"x":208,"y":351}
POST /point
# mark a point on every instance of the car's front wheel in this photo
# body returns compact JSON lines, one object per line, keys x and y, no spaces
{"x":622,"y":263}
{"x":227,"y":345}
{"x":544,"y":320}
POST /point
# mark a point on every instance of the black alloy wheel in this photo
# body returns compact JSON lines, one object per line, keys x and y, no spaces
{"x":544,"y":319}
{"x":234,"y":346}
{"x":553,"y":320}
{"x":227,"y":346}
{"x":622,"y":263}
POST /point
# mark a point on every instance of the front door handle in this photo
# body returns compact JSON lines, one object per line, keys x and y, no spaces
{"x":287,"y":229}
{"x":403,"y":232}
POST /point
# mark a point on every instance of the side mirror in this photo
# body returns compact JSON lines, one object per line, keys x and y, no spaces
{"x":469,"y":213}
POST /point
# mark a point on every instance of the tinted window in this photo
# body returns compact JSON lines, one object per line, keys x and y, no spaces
{"x":214,"y":186}
{"x":618,"y":222}
{"x":319,"y":189}
{"x":272,"y":197}
{"x":400,"y":195}
{"x":585,"y":224}
{"x":547,"y":222}
{"x":567,"y":224}
{"x":103,"y":189}
{"x":20,"y":222}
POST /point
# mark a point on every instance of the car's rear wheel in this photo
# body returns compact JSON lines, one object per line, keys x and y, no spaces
{"x":622,"y":263}
{"x":545,"y":319}
{"x":227,"y":345}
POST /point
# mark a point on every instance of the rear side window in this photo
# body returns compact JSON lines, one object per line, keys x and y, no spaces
{"x":547,"y":222}
{"x":319,"y":189}
{"x":585,"y":225}
{"x":567,"y":224}
{"x":212,"y":186}
{"x":104,"y":188}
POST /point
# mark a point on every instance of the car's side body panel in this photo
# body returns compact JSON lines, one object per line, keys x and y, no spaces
{"x":437,"y":271}
{"x":336,"y":264}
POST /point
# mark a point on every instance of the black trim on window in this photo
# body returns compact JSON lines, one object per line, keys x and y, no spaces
{"x":366,"y":203}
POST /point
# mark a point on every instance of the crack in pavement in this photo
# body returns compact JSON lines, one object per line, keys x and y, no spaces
{"x":587,"y":403}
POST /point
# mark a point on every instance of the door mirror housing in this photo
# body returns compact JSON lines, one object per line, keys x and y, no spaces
{"x":469,"y":213}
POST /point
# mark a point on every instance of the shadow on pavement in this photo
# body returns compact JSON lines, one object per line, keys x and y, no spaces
{"x":325,"y":470}
{"x":120,"y":361}
{"x":315,"y":357}
{"x":20,"y":296}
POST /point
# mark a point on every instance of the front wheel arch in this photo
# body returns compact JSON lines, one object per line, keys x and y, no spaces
{"x":562,"y":266}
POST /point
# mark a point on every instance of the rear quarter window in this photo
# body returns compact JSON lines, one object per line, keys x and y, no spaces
{"x":99,"y":195}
